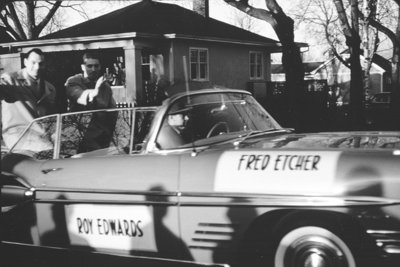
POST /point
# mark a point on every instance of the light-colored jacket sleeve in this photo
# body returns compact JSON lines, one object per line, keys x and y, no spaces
{"x":10,"y":91}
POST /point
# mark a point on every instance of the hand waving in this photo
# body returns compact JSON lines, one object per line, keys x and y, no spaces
{"x":100,"y":81}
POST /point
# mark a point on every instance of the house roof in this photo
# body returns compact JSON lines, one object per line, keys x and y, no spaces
{"x":382,"y":62}
{"x":158,"y":18}
{"x":377,"y":58}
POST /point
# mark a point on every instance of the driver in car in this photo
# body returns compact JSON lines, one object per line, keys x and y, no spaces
{"x":174,"y":132}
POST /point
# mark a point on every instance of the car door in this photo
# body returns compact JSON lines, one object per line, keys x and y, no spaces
{"x":211,"y":221}
{"x":124,"y":205}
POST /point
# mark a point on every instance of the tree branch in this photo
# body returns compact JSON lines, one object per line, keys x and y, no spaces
{"x":333,"y":48}
{"x":378,"y":26}
{"x":49,"y":15}
{"x":9,"y":28}
{"x":254,"y":12}
{"x":17,"y":23}
{"x":343,"y":18}
{"x":4,"y":3}
{"x":30,"y":12}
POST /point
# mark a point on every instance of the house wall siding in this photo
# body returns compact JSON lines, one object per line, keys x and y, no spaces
{"x":228,"y":65}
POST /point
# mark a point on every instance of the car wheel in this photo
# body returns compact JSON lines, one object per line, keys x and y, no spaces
{"x":312,"y":246}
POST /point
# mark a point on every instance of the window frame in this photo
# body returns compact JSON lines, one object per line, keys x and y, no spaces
{"x":198,"y":64}
{"x":255,"y":65}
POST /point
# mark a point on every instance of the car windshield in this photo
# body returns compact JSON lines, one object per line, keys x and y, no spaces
{"x":203,"y":119}
{"x":197,"y":119}
{"x":86,"y":133}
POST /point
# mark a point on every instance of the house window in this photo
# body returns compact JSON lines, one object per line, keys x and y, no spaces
{"x":256,"y":65}
{"x":198,"y":64}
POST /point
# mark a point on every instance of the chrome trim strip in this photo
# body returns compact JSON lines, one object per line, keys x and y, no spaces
{"x":131,"y":139}
{"x":392,"y":249}
{"x":216,"y":240}
{"x":387,"y":240}
{"x":91,"y":201}
{"x":192,"y":199}
{"x":57,"y":142}
{"x":383,"y":232}
{"x":106,"y":191}
{"x":166,"y":198}
{"x":202,"y":247}
{"x":382,"y":241}
{"x":214,"y":199}
{"x":205,"y":232}
{"x":231,"y":225}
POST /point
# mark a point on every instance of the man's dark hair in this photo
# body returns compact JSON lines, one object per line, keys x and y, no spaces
{"x":92,"y":55}
{"x":34,"y":50}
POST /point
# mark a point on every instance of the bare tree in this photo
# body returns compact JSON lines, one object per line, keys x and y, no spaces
{"x":291,"y":56}
{"x":244,"y":21}
{"x":346,"y":15}
{"x":376,"y":22}
{"x":393,"y":34}
{"x":27,"y":20}
{"x":350,"y":27}
{"x":322,"y":22}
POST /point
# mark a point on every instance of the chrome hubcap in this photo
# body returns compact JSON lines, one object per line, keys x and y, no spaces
{"x":314,"y":260}
{"x":313,"y":247}
{"x":313,"y":254}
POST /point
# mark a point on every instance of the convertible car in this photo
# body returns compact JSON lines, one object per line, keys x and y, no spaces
{"x":207,"y":179}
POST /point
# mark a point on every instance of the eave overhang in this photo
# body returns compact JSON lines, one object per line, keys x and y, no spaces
{"x":272,"y":47}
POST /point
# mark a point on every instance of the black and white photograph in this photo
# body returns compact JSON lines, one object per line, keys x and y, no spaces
{"x":200,"y":133}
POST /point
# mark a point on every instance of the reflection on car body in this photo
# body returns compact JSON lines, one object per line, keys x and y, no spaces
{"x":230,"y":187}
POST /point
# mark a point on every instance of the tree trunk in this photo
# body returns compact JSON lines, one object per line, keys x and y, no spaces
{"x":291,"y":56}
{"x":395,"y":86}
{"x":365,"y":43}
{"x":294,"y":71}
{"x":356,"y":84}
{"x":353,"y":41}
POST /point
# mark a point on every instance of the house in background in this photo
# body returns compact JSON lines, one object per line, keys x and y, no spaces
{"x":337,"y":74}
{"x":320,"y":75}
{"x":150,"y":42}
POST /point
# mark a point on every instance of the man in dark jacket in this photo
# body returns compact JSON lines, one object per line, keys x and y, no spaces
{"x":89,"y":91}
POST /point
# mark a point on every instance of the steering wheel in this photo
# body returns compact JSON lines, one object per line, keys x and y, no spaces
{"x":218,"y":128}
